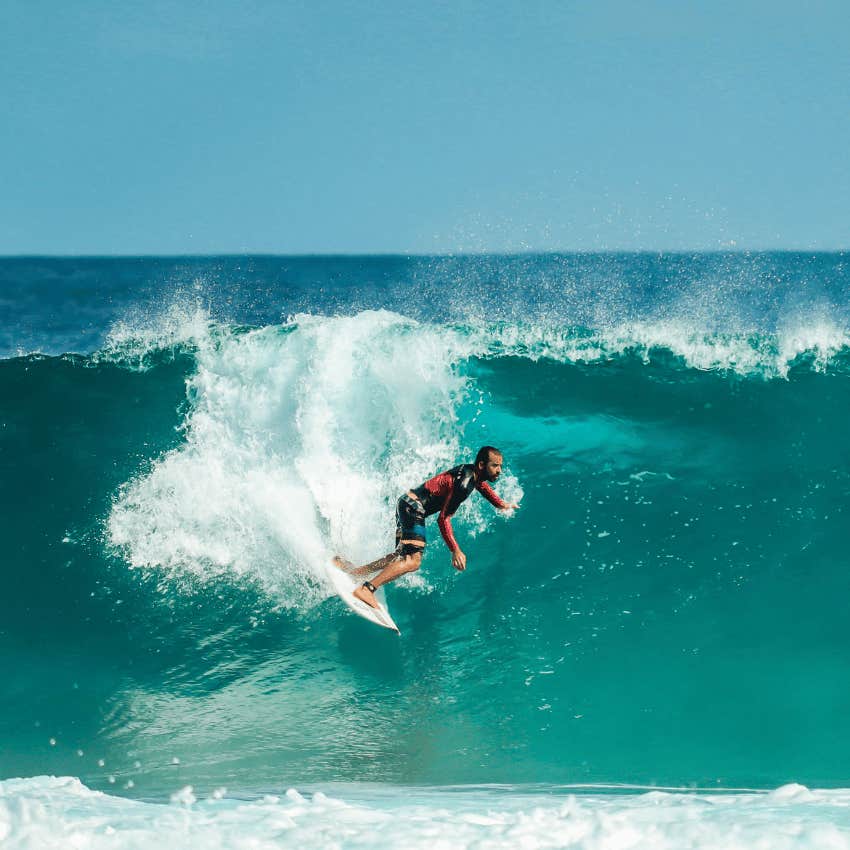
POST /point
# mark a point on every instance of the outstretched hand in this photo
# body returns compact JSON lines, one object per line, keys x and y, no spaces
{"x":513,"y":506}
{"x":459,"y":560}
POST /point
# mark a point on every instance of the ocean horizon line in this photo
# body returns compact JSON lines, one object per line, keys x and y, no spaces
{"x":620,"y":252}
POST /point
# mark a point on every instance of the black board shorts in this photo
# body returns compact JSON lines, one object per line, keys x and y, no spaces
{"x":409,"y":525}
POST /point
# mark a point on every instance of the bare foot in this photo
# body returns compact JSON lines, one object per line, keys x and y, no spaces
{"x":342,"y":563}
{"x":366,"y":595}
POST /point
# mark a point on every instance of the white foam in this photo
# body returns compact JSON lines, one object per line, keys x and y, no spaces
{"x":298,"y":442}
{"x":702,"y":340}
{"x":744,"y":353}
{"x":819,"y":338}
{"x":47,"y":813}
{"x":132,"y":340}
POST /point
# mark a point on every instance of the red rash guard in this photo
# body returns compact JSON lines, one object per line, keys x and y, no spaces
{"x":445,"y":493}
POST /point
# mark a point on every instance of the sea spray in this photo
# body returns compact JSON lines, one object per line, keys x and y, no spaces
{"x":298,"y":440}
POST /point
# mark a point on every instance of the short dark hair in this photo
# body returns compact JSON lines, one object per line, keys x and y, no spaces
{"x":483,"y":455}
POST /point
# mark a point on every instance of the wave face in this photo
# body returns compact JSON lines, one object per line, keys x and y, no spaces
{"x":665,"y":608}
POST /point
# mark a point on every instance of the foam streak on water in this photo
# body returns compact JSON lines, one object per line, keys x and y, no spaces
{"x":45,"y":813}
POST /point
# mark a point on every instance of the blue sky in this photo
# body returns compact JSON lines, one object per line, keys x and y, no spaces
{"x":325,"y":127}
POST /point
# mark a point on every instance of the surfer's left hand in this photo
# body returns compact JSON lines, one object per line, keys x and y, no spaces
{"x":459,"y":560}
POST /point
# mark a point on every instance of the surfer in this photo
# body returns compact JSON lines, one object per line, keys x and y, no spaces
{"x":443,"y":493}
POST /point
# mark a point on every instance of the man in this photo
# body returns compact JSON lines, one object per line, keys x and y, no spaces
{"x":444,"y":493}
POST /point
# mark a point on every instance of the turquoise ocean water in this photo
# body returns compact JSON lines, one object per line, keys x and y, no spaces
{"x":184,"y":442}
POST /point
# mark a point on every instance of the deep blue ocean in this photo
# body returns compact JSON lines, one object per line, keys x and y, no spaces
{"x":653,"y":651}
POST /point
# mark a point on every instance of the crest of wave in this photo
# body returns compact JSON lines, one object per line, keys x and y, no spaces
{"x":298,"y":440}
{"x":819,"y":336}
{"x":818,"y":339}
{"x":132,"y":341}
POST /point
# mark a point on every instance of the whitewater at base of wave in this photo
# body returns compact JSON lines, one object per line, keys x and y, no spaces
{"x":51,"y":812}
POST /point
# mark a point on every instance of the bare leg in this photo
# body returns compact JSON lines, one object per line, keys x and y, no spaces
{"x":396,"y":568}
{"x":366,"y":569}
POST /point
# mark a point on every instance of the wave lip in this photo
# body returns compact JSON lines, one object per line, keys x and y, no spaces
{"x":817,"y":340}
{"x":135,"y":341}
{"x":42,"y":812}
{"x":746,"y":353}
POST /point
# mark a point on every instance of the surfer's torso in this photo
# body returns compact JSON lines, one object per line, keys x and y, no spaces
{"x":444,"y":493}
{"x":447,"y":490}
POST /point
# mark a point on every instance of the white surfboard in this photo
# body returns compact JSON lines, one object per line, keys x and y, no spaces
{"x":344,"y":584}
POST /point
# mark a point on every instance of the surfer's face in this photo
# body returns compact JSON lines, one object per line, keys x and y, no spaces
{"x":493,"y":468}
